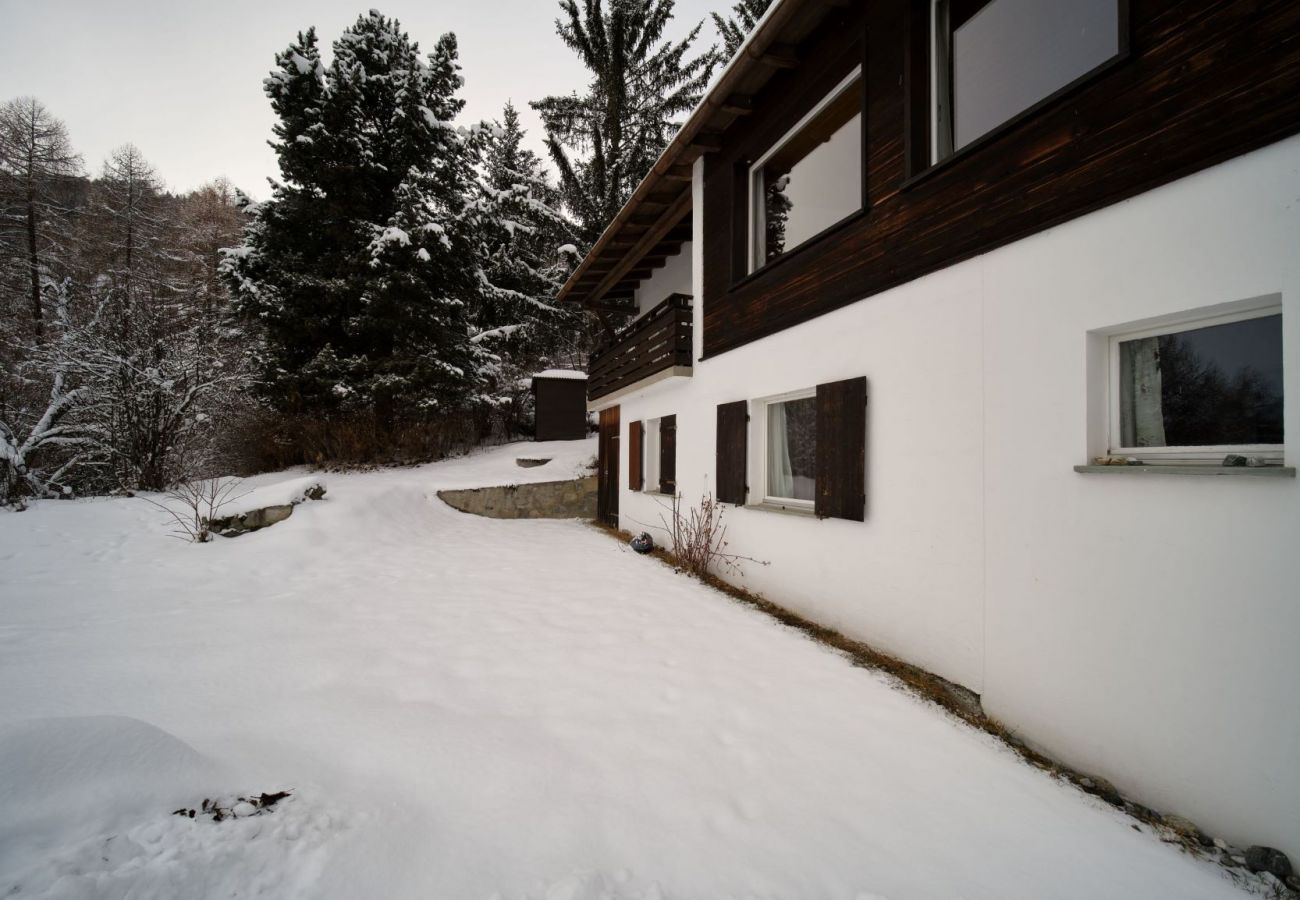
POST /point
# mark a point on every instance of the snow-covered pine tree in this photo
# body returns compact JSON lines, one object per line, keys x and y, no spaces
{"x":735,"y":28}
{"x":605,"y":140}
{"x":527,"y":253}
{"x":361,"y":268}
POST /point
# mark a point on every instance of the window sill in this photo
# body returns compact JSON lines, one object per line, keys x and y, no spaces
{"x":1156,"y":469}
{"x":806,"y":512}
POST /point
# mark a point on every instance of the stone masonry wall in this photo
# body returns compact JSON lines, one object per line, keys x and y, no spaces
{"x":547,"y":500}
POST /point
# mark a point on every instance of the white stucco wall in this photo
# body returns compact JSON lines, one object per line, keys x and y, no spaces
{"x":1144,"y":629}
{"x":674,"y":277}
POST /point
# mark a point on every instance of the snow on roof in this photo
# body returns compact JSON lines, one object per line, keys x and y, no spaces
{"x":562,"y":374}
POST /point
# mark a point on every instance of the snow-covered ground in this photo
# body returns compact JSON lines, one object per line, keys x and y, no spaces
{"x":467,"y":708}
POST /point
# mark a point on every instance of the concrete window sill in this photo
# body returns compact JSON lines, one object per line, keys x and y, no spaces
{"x":805,"y":512}
{"x":1231,"y":471}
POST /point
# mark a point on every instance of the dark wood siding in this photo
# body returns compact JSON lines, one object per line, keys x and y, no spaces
{"x":668,"y":455}
{"x":842,"y":450}
{"x":560,"y":409}
{"x":607,"y":467}
{"x":732,"y":462}
{"x":1203,"y":81}
{"x":635,"y":456}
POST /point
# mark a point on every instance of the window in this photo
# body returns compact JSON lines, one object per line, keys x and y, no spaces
{"x":660,"y":455}
{"x":995,"y":59}
{"x":1199,"y":390}
{"x":790,"y":450}
{"x":811,"y":179}
{"x":808,"y":450}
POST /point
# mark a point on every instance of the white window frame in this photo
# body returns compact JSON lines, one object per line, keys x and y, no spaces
{"x":1193,"y":454}
{"x":760,"y":443}
{"x":650,"y":456}
{"x":757,"y":211}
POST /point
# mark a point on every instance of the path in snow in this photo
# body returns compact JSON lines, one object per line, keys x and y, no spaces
{"x":469,"y":708}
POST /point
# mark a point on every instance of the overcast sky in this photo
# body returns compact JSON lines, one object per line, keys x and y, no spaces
{"x":182,"y":79}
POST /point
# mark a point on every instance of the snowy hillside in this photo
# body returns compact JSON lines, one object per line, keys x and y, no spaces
{"x":470,"y":708}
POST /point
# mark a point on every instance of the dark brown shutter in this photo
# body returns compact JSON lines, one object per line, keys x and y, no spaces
{"x":842,"y":449}
{"x":733,"y":431}
{"x":668,"y":455}
{"x":635,"y":457}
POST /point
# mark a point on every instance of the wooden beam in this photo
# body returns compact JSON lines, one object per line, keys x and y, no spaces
{"x":738,"y":104}
{"x":678,"y":173}
{"x":667,"y":222}
{"x":707,"y":142}
{"x":780,"y":56}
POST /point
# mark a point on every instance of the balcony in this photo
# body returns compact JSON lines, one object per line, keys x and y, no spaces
{"x":659,"y":342}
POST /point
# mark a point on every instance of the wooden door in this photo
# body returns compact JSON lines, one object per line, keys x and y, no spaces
{"x":607,"y":467}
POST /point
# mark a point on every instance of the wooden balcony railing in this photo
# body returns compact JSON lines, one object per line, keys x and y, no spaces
{"x":659,"y":340}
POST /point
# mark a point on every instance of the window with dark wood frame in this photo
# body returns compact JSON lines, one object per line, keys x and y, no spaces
{"x":668,"y":455}
{"x":950,"y":53}
{"x":812,"y":179}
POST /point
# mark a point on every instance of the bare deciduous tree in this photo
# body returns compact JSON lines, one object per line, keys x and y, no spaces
{"x":36,"y":159}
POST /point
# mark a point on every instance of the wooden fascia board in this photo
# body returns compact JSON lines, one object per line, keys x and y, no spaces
{"x":666,"y":223}
{"x":681,"y":151}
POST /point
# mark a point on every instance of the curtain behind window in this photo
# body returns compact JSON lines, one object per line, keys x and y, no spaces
{"x":1142,"y":415}
{"x":780,"y":474}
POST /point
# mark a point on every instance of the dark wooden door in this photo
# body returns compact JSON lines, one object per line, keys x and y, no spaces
{"x":607,"y":467}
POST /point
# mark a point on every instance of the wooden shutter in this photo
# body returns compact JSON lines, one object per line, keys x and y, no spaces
{"x":668,"y":455}
{"x":635,"y":456}
{"x":733,"y":461}
{"x":842,"y":450}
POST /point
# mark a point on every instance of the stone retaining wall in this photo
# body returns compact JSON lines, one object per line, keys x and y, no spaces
{"x":547,"y":500}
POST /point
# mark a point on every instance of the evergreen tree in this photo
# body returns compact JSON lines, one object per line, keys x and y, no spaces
{"x":527,"y":254}
{"x":735,"y":28}
{"x":361,"y":268}
{"x":640,"y":83}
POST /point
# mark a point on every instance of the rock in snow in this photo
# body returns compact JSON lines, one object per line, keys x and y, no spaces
{"x":262,"y":508}
{"x":1266,"y":859}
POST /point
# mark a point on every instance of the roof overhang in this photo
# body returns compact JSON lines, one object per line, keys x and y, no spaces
{"x":656,"y":220}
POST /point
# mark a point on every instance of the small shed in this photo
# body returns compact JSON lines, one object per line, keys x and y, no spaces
{"x":560,"y":401}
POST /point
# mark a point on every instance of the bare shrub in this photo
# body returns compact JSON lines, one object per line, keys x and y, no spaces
{"x":200,"y":501}
{"x":698,"y":539}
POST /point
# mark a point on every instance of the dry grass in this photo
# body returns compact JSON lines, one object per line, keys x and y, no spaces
{"x":965,"y":705}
